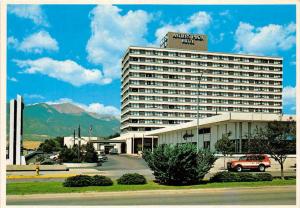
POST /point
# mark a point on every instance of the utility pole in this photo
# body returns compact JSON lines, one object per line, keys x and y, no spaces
{"x":198,"y":97}
{"x":79,"y":140}
{"x":74,"y":137}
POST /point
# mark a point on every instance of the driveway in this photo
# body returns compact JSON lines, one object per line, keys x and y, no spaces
{"x":123,"y":162}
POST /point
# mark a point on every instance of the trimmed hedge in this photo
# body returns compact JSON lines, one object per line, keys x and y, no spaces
{"x":85,"y":180}
{"x":78,"y":181}
{"x":240,"y":177}
{"x":132,"y":179}
{"x":99,"y":180}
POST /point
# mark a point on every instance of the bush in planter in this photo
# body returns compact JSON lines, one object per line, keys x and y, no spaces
{"x":247,"y":177}
{"x":132,"y":179}
{"x":78,"y":181}
{"x":179,"y":164}
{"x":225,"y":176}
{"x":99,"y":180}
{"x":264,"y":176}
{"x":240,"y":177}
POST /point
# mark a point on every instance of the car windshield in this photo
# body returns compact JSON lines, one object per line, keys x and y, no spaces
{"x":243,"y":158}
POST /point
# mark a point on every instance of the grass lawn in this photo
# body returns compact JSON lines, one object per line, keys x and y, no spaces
{"x":57,"y":187}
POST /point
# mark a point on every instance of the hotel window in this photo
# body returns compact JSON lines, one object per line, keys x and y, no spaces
{"x":204,"y":131}
{"x":206,"y":145}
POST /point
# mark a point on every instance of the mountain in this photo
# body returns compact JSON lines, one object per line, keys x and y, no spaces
{"x":42,"y":121}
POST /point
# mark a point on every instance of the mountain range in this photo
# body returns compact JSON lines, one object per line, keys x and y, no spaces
{"x":43,"y":121}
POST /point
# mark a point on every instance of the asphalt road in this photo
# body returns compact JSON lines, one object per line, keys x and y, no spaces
{"x":114,"y":167}
{"x":283,"y":195}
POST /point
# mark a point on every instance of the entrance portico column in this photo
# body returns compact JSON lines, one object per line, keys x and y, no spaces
{"x":143,"y":143}
{"x":152,"y":144}
{"x":133,"y":144}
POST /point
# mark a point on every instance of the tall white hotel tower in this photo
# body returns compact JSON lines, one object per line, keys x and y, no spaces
{"x":16,"y":131}
{"x":160,"y":85}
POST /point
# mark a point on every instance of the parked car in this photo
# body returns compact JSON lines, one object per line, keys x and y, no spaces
{"x":252,"y":162}
{"x":102,"y":158}
{"x":113,"y":151}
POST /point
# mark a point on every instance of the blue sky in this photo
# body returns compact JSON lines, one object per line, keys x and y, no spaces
{"x":60,"y":53}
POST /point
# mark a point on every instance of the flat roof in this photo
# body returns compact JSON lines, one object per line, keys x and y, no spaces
{"x":259,"y":117}
{"x":204,"y":52}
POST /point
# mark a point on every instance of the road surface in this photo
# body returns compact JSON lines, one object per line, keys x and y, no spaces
{"x":279,"y":195}
{"x":114,"y":167}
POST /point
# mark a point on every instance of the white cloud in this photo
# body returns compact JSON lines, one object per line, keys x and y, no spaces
{"x":198,"y":23}
{"x":98,"y":108}
{"x":289,"y":95}
{"x":36,"y":43}
{"x":12,"y":42}
{"x":264,"y":40}
{"x":13,"y":79}
{"x":67,"y":71}
{"x":34,"y":96}
{"x":112,"y":33}
{"x":32,"y":12}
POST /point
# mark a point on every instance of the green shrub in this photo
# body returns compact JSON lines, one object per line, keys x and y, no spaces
{"x":131,"y":179}
{"x":247,"y":177}
{"x":240,"y":177}
{"x":264,"y":176}
{"x":179,"y":164}
{"x":225,"y":176}
{"x":99,"y":180}
{"x":78,"y":181}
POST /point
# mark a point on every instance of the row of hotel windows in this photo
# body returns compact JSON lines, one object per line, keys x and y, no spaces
{"x":154,"y":121}
{"x":204,"y":79}
{"x":123,"y":131}
{"x":206,"y":93}
{"x":202,"y":100}
{"x":201,"y":63}
{"x":203,"y":56}
{"x":202,"y":86}
{"x":208,"y":72}
{"x":188,"y":107}
{"x":194,"y":115}
{"x":231,"y":71}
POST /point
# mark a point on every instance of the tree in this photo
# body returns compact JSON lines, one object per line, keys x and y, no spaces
{"x":90,"y":155}
{"x":179,"y":164}
{"x":278,"y":139}
{"x":49,"y":146}
{"x":67,"y":154}
{"x":225,"y":146}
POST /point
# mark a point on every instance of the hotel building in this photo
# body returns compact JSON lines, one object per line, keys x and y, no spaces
{"x":160,"y":86}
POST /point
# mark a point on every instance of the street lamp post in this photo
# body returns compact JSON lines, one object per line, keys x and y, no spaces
{"x":198,"y":96}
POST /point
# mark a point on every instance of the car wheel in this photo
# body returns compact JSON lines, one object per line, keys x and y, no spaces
{"x":239,"y":168}
{"x":261,"y":168}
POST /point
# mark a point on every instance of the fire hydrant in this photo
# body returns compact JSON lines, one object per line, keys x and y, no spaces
{"x":37,"y":170}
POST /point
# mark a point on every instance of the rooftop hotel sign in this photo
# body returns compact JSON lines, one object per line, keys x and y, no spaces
{"x":185,"y":41}
{"x":188,"y":38}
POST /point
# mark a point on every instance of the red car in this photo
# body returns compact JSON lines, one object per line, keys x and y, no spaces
{"x":253,"y":162}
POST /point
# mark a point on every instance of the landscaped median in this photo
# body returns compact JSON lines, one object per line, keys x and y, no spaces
{"x":23,"y":188}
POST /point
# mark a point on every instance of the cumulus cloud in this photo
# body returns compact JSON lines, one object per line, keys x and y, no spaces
{"x":96,"y":108}
{"x":112,"y":33}
{"x":13,"y":79}
{"x":35,"y":43}
{"x":198,"y":23}
{"x":66,"y":70}
{"x":32,"y":12}
{"x":264,"y":40}
{"x":34,"y":96}
{"x":289,"y":95}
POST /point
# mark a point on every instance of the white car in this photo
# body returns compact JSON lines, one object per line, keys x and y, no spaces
{"x":54,"y":157}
